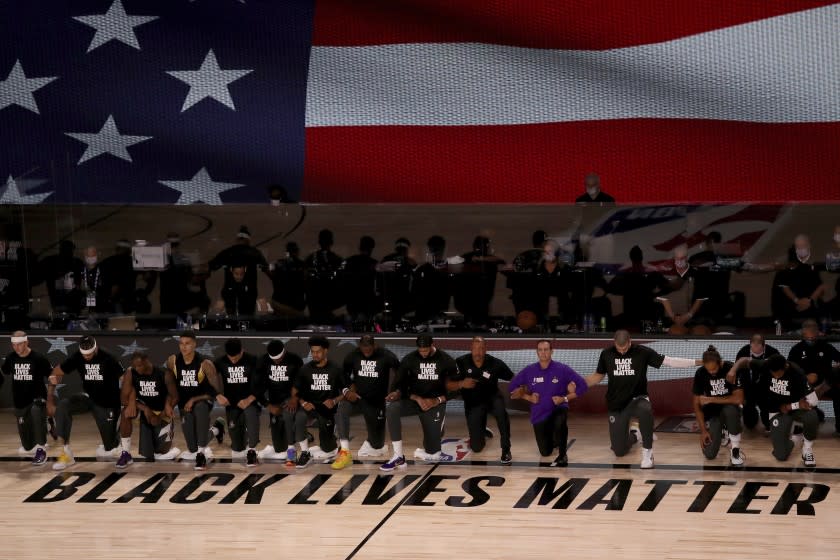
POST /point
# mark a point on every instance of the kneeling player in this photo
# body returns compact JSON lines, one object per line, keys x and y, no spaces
{"x":150,"y":393}
{"x":238,"y":372}
{"x":717,"y":404}
{"x":277,"y":371}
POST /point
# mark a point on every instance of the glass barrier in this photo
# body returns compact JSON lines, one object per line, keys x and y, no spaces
{"x":407,"y":268}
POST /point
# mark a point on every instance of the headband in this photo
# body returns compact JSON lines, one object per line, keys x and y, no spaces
{"x":278,"y":356}
{"x":89,"y":351}
{"x":19,"y":339}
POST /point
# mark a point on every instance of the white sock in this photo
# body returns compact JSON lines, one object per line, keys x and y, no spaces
{"x":735,"y":439}
{"x":214,"y":430}
{"x":398,"y":450}
{"x":807,"y":446}
{"x":345,"y":444}
{"x":290,"y":448}
{"x":126,"y":443}
{"x":304,"y":445}
{"x":202,"y":449}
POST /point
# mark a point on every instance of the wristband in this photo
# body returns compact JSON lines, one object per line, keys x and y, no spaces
{"x":345,"y":391}
{"x":794,"y":406}
{"x":440,"y":400}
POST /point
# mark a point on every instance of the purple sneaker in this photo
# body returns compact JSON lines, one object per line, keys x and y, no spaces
{"x":393,"y":464}
{"x":124,"y":460}
{"x":40,"y":457}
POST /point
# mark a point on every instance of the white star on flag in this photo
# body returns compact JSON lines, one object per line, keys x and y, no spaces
{"x":17,"y":89}
{"x":12,"y":195}
{"x":201,"y":188}
{"x":114,"y":24}
{"x":131,"y":348}
{"x":208,"y":81}
{"x":207,"y":350}
{"x":107,"y":141}
{"x":59,"y":344}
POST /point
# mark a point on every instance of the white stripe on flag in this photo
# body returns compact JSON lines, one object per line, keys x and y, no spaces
{"x":777,"y":70}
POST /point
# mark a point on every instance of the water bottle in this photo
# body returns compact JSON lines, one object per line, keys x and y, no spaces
{"x":189,"y":322}
{"x":778,"y":327}
{"x":588,"y":323}
{"x":603,"y":324}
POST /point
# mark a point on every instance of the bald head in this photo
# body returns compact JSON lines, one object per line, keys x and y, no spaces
{"x":622,"y":340}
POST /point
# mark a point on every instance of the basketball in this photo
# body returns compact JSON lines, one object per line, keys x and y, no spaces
{"x":526,"y":320}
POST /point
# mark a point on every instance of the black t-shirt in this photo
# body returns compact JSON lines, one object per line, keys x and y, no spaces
{"x":754,"y":372}
{"x":791,"y":387}
{"x":706,"y":384}
{"x":192,"y":380}
{"x":100,"y":376}
{"x":277,"y":378}
{"x":425,"y":377}
{"x":487,"y":378}
{"x":29,"y":377}
{"x":815,"y":358}
{"x":627,"y":373}
{"x":802,"y":279}
{"x":602,"y":197}
{"x":317,"y":384}
{"x":370,"y":375}
{"x":150,"y":389}
{"x":239,"y":380}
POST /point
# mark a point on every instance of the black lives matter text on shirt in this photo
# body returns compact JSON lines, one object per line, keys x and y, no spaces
{"x":706,"y":384}
{"x":791,"y":387}
{"x":371,"y":375}
{"x":277,"y":379}
{"x":100,"y":376}
{"x":29,"y":377}
{"x":239,"y":380}
{"x":151,"y":389}
{"x":487,"y":378}
{"x":425,"y":377}
{"x":627,"y":373}
{"x":317,"y":384}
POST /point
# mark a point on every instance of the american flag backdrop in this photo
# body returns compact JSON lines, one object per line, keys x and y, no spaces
{"x":210,"y":101}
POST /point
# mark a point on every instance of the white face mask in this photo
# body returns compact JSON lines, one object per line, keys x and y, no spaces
{"x":549,"y":257}
{"x":592,"y":192}
{"x":90,"y":260}
{"x":837,"y":237}
{"x":803,"y":254}
{"x":680,"y":263}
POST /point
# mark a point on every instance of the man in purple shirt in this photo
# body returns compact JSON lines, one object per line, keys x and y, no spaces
{"x":546,"y":385}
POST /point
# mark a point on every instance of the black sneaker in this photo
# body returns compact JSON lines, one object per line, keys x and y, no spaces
{"x":200,"y":461}
{"x":219,"y":424}
{"x":507,"y":459}
{"x":562,"y":460}
{"x":304,"y":460}
{"x":251,"y":458}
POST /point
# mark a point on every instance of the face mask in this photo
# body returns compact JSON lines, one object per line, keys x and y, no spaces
{"x":680,"y":263}
{"x":837,"y":237}
{"x":549,"y":257}
{"x":803,"y":254}
{"x":90,"y":260}
{"x":592,"y":192}
{"x":810,"y":341}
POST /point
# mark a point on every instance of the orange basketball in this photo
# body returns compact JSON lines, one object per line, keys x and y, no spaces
{"x":526,"y":320}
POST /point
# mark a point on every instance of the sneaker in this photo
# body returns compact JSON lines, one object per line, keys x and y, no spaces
{"x":562,"y":460}
{"x":367,"y":450}
{"x":251,"y":458}
{"x":304,"y":460}
{"x":291,"y":457}
{"x":323,"y":456}
{"x":269,"y":454}
{"x":200,"y":461}
{"x":343,"y":460}
{"x":441,"y":457}
{"x":808,"y":458}
{"x":235,"y":455}
{"x":219,"y":424}
{"x":507,"y":459}
{"x":124,"y":460}
{"x":724,"y":438}
{"x":488,"y":433}
{"x":170,"y":455}
{"x":647,"y":458}
{"x":187,"y":456}
{"x":394,"y":463}
{"x":736,"y":457}
{"x":209,"y":455}
{"x":24,"y":451}
{"x":40,"y":457}
{"x":64,"y":460}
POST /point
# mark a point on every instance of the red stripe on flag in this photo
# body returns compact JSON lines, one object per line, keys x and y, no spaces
{"x":589,"y":24}
{"x":640,"y":161}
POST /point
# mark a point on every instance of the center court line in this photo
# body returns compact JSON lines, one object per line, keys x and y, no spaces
{"x":392,"y":512}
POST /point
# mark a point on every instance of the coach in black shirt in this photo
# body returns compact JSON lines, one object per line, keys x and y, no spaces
{"x":817,"y":357}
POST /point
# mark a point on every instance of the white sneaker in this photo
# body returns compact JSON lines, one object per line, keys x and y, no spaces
{"x":808,"y":458}
{"x":421,"y":454}
{"x":369,"y":451}
{"x":23,"y":451}
{"x":797,"y":439}
{"x":170,"y":455}
{"x":208,"y":454}
{"x":187,"y":456}
{"x":647,"y":458}
{"x":270,"y":454}
{"x":736,"y":457}
{"x":101,"y":453}
{"x":325,"y":457}
{"x":319,"y":454}
{"x":64,"y":460}
{"x":236,"y":455}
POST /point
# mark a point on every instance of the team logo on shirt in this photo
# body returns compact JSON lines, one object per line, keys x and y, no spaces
{"x":555,"y":380}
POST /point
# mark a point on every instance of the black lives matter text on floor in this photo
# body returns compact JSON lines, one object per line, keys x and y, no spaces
{"x":436,"y":490}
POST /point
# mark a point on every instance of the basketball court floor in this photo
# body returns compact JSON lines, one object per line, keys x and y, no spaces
{"x":597,"y":507}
